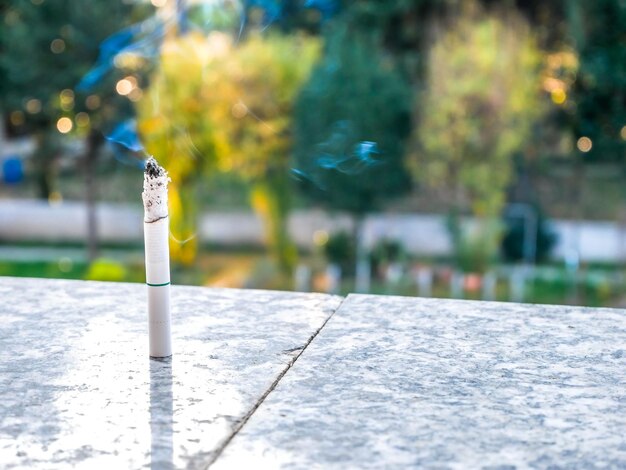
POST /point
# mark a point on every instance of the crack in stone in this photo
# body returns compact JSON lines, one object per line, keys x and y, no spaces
{"x":218,"y":452}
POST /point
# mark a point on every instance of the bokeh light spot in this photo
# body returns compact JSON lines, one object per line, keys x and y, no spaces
{"x":92,"y":102}
{"x":623,"y":133}
{"x":17,"y":118}
{"x":135,"y":95}
{"x":158,"y":3}
{"x":33,"y":106}
{"x":66,"y":98}
{"x":82,"y":119}
{"x":239,"y":110}
{"x":584,"y":144}
{"x":66,"y":30}
{"x":64,"y":125}
{"x":124,"y":87}
{"x":320,"y":237}
{"x":67,"y":95}
{"x":57,"y":46}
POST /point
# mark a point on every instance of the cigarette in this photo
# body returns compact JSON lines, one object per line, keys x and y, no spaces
{"x":156,"y":229}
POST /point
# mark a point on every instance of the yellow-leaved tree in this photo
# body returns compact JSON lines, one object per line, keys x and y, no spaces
{"x":177,"y":120}
{"x":481,"y":100}
{"x":214,"y":106}
{"x":267,"y":74}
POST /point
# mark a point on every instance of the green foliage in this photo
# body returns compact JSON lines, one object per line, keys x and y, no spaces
{"x":232,"y":113}
{"x":475,"y":245}
{"x":103,"y":269}
{"x":600,"y":89}
{"x":177,"y":119}
{"x":513,"y":240}
{"x":178,"y":116}
{"x":354,"y":96}
{"x":477,"y":112}
{"x":340,"y":250}
{"x":62,"y":269}
{"x":481,"y":100}
{"x":265,"y":76}
{"x":386,"y":252}
{"x":46,"y":48}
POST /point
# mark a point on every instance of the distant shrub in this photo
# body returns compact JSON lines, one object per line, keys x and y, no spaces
{"x":386,"y":252}
{"x":340,"y":250}
{"x":513,"y":240}
{"x":103,"y":269}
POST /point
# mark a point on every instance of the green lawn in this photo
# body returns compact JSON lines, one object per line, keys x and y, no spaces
{"x":596,"y":286}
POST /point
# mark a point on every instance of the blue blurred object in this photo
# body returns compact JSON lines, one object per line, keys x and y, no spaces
{"x":125,"y":133}
{"x":12,"y":170}
{"x":141,"y":40}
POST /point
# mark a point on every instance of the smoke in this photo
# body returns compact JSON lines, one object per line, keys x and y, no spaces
{"x":125,"y":133}
{"x":343,"y":152}
{"x":139,"y":42}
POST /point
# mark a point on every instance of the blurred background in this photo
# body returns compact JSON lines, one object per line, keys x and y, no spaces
{"x":448,"y":148}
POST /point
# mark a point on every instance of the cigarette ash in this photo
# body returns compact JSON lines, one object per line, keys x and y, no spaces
{"x":154,"y":193}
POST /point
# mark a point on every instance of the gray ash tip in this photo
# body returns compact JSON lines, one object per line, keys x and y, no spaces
{"x":153,"y":170}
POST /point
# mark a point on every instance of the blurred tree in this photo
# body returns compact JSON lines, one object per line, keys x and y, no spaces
{"x":599,"y":94}
{"x":481,"y":100}
{"x":516,"y":233}
{"x":340,"y":250}
{"x":268,"y":74}
{"x":352,"y":119}
{"x":403,"y":28}
{"x":177,"y":121}
{"x":46,"y":48}
{"x":232,"y":112}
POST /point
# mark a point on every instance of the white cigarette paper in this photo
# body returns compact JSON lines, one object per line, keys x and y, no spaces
{"x":156,"y":235}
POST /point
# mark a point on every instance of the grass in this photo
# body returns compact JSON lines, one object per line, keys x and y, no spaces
{"x":61,"y":269}
{"x":250,"y":267}
{"x":216,"y":269}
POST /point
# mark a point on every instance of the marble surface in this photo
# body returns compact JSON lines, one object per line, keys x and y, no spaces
{"x":395,"y":382}
{"x":77,"y":387}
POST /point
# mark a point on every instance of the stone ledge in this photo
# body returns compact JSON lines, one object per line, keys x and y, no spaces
{"x":424,"y":383}
{"x":78,"y":388}
{"x":382,"y":382}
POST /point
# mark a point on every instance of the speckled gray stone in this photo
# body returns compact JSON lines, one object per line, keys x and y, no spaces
{"x":395,"y":382}
{"x":77,"y":387}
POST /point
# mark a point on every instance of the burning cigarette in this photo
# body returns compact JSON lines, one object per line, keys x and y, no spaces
{"x":156,"y":230}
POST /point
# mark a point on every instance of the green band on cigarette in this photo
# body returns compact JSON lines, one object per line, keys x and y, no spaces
{"x":158,"y":285}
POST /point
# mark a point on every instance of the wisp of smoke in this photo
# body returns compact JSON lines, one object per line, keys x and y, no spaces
{"x":342,"y":152}
{"x":142,"y":40}
{"x":125,"y":133}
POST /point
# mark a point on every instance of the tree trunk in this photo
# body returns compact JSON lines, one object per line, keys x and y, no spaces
{"x":363,"y":267}
{"x":94,"y":142}
{"x":270,"y":199}
{"x":44,"y":158}
{"x":577,"y":197}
